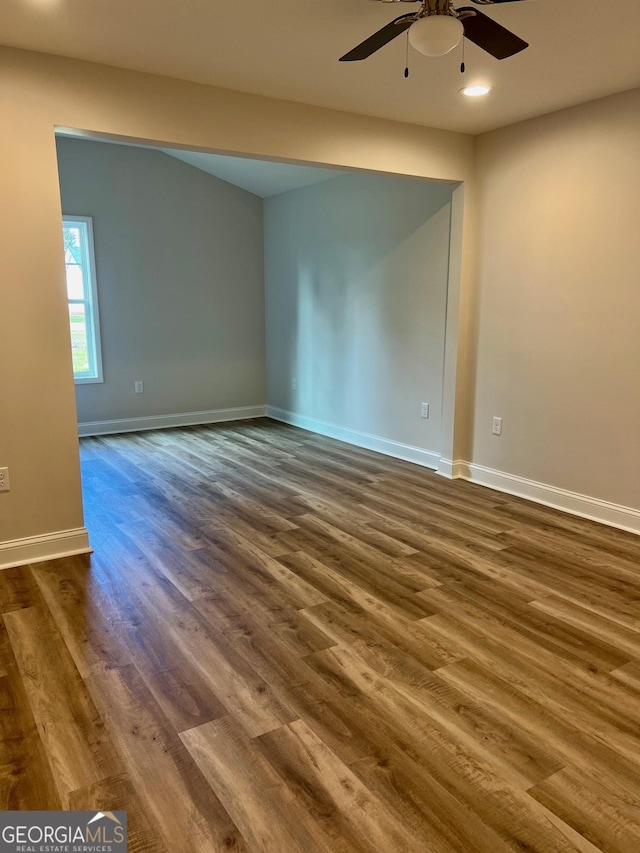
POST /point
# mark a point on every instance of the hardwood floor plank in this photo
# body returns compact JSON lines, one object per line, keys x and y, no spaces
{"x":335,"y":721}
{"x":578,"y":841}
{"x":291,"y":629}
{"x":185,"y":697}
{"x":76,"y":744}
{"x":265,"y":808}
{"x":587,"y":588}
{"x":269,"y":543}
{"x":273,"y":664}
{"x":341,"y":545}
{"x":463,"y":770}
{"x":448,"y":563}
{"x":580,"y":550}
{"x":375,"y":669}
{"x":26,"y":779}
{"x":250,"y":557}
{"x":593,"y":625}
{"x":323,"y":783}
{"x":566,"y":642}
{"x":386,"y":584}
{"x":601,"y":707}
{"x":247,"y":587}
{"x":84,"y":614}
{"x":194,"y":573}
{"x":118,"y":794}
{"x":358,"y":537}
{"x":629,"y":674}
{"x":215,"y":660}
{"x":520,"y":756}
{"x":611,"y":823}
{"x":419,"y":800}
{"x":17,"y":589}
{"x":261,"y":516}
{"x":396,"y":509}
{"x":338,"y":585}
{"x":394,"y":770}
{"x":528,"y":713}
{"x":351,"y":624}
{"x":183,"y":807}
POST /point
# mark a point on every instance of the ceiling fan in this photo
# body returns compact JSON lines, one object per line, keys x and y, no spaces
{"x":438,"y":26}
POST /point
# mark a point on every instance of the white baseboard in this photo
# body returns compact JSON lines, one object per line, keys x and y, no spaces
{"x":167,"y":421}
{"x":451,"y":470}
{"x":426,"y":458}
{"x":615,"y":515}
{"x":50,"y":546}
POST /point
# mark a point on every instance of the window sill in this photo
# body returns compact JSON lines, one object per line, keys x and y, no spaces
{"x":89,"y":381}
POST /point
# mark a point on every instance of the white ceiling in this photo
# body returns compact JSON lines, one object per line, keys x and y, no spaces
{"x":580,"y":50}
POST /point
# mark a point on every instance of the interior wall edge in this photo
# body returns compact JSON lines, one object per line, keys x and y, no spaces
{"x":459,"y":354}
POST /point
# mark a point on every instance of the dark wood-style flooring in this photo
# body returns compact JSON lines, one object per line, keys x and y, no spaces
{"x":283,"y":643}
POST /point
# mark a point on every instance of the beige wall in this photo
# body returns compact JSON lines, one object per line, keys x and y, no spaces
{"x":356,"y":285}
{"x":38,"y":432}
{"x":38,"y":427}
{"x":180,"y":269}
{"x":559,"y":300}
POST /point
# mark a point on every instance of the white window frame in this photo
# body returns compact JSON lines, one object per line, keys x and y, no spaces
{"x":91,"y":313}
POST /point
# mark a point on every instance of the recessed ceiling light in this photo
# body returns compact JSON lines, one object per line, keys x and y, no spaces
{"x":475,"y":91}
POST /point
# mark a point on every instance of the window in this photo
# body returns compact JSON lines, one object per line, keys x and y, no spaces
{"x":82,"y":298}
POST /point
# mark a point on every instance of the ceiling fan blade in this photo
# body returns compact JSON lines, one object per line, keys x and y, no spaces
{"x":379,"y":39}
{"x":490,"y":35}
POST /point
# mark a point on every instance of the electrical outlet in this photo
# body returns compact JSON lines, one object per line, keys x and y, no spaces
{"x":424,"y":410}
{"x":294,"y":383}
{"x":4,"y":479}
{"x":139,"y":386}
{"x":496,"y":428}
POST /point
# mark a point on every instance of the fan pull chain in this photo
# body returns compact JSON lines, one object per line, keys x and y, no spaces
{"x":406,"y":64}
{"x":463,"y":67}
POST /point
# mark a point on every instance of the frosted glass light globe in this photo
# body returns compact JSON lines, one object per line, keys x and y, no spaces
{"x":436,"y":35}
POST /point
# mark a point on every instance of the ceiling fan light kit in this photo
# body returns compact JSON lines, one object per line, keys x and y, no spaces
{"x":436,"y":35}
{"x":438,"y":26}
